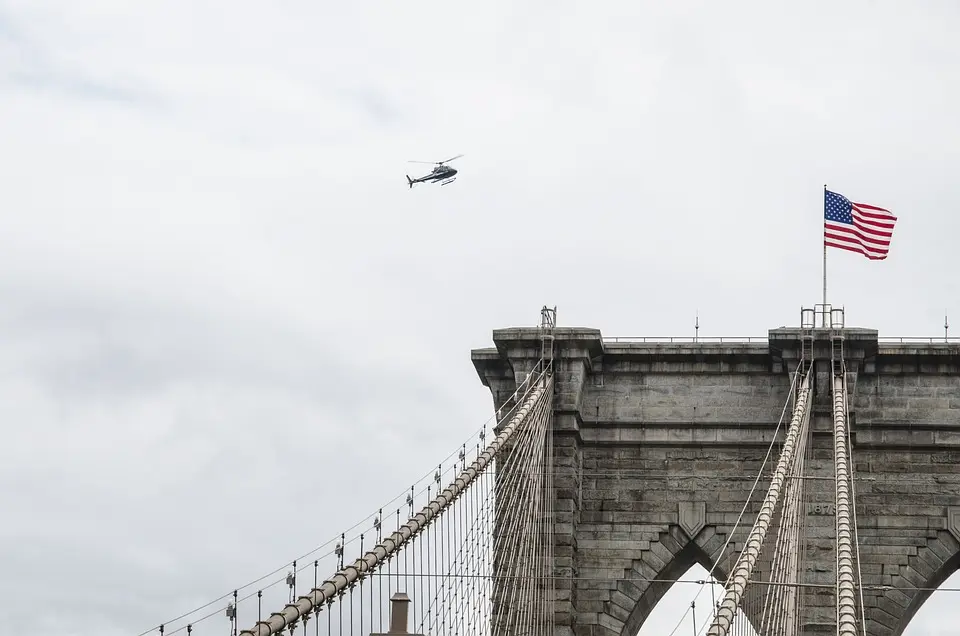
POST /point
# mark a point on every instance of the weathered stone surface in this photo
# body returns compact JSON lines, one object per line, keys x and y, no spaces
{"x":657,"y":446}
{"x":953,"y":521}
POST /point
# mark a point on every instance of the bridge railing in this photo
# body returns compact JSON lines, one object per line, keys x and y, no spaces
{"x":921,"y":340}
{"x":683,"y":339}
{"x":764,"y":339}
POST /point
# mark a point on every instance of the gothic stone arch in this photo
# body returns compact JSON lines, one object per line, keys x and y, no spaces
{"x":667,"y":559}
{"x":657,"y":445}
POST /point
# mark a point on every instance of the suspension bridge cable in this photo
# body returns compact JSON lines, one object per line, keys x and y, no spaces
{"x":846,"y":603}
{"x":753,"y":488}
{"x":478,"y":432}
{"x":700,"y":582}
{"x":737,"y":581}
{"x":534,"y":390}
{"x":853,"y":505}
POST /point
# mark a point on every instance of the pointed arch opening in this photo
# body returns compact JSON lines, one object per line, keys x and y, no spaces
{"x":927,"y":610}
{"x":688,"y":556}
{"x":674,"y":610}
{"x":673,"y":565}
{"x":938,"y":613}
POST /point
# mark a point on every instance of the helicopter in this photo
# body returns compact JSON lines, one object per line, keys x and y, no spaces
{"x":442,"y":173}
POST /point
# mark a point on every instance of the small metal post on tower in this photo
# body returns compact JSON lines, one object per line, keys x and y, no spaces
{"x":946,"y":327}
{"x":548,"y":322}
{"x":696,"y":328}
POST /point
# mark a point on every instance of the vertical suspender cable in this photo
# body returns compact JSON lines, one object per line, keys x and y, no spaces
{"x":346,"y":576}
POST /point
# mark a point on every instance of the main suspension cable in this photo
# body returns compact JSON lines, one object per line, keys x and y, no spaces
{"x":345,"y":577}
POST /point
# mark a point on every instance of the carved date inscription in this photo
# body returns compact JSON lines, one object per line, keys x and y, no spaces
{"x":821,"y":509}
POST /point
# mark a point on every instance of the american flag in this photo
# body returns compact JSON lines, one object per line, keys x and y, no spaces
{"x":857,"y":227}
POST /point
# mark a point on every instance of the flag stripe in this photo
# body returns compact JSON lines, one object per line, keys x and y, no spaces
{"x":871,"y":228}
{"x":842,"y":233}
{"x":855,"y":249}
{"x":866,"y":234}
{"x":873,"y":207}
{"x":852,"y":239}
{"x":853,"y":242}
{"x":873,"y":216}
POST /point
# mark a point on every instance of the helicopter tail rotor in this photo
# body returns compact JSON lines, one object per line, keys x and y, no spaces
{"x":409,"y":180}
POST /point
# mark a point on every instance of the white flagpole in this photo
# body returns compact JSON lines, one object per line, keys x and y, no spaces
{"x":824,"y":261}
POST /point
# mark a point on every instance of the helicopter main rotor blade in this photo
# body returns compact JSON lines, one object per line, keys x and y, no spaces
{"x":437,"y":163}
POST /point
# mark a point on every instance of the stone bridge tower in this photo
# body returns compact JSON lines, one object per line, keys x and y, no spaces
{"x":657,"y":445}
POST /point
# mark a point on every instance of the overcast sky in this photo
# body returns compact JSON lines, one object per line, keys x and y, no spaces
{"x":220,"y":300}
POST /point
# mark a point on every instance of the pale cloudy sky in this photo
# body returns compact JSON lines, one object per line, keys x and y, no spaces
{"x":219,"y":299}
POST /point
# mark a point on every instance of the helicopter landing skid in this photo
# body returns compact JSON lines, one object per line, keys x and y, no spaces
{"x":448,"y":181}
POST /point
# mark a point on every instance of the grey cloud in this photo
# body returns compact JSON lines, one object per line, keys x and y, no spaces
{"x":120,"y":346}
{"x":29,"y":66}
{"x":71,"y":86}
{"x":379,"y":106}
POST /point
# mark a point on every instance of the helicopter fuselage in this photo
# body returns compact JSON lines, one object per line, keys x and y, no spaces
{"x":440,"y":173}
